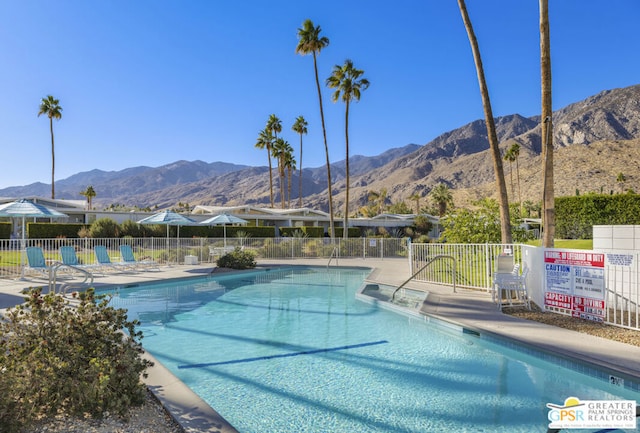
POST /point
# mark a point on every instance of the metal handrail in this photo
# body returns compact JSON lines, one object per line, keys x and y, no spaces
{"x":433,"y":259}
{"x":335,"y":251}
{"x":53,"y":272}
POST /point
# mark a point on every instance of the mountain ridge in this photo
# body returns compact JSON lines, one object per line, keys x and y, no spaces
{"x":458,"y":158}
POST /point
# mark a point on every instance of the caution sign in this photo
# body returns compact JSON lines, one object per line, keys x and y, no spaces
{"x":574,"y":283}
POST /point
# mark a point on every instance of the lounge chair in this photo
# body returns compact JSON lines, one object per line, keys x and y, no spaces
{"x":102,"y":257}
{"x":126,"y":254}
{"x":36,"y":261}
{"x":70,"y":258}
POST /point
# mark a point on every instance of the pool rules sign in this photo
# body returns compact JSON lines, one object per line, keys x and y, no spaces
{"x":574,"y":283}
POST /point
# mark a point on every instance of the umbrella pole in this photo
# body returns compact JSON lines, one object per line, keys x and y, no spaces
{"x":23,"y":247}
{"x":224,"y":230}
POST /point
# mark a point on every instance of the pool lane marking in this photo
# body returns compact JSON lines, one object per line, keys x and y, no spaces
{"x":285,"y":355}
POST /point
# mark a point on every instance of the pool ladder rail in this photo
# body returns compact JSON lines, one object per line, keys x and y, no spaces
{"x":334,"y":253}
{"x":53,"y":275}
{"x":429,"y":262}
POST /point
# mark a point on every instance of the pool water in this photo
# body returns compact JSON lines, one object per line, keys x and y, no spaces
{"x":294,"y":351}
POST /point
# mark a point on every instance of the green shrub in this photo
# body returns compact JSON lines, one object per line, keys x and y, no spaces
{"x":104,"y":228}
{"x":237,"y":259}
{"x":5,"y":230}
{"x":56,"y":358}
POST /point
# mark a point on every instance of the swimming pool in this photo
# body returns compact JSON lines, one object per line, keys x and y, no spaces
{"x":292,"y":350}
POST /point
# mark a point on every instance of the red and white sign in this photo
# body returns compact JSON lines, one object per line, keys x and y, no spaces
{"x":574,"y":281}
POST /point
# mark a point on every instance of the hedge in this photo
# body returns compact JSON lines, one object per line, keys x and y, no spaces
{"x":5,"y":230}
{"x":576,"y":216}
{"x":312,"y":232}
{"x":54,"y":230}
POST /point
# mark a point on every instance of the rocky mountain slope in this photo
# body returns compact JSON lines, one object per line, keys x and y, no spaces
{"x":595,"y":139}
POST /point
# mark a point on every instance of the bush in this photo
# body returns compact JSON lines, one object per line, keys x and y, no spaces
{"x":56,"y":358}
{"x":104,"y":228}
{"x":237,"y":259}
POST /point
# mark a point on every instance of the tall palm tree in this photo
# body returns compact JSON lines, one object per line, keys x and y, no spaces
{"x":548,"y":199}
{"x":510,"y":158}
{"x":89,"y":193}
{"x":279,"y":150}
{"x":503,"y":198}
{"x":265,"y":141}
{"x":310,"y":42}
{"x":290,"y":164}
{"x":347,"y":81}
{"x":300,"y":127}
{"x":275,"y":125}
{"x":51,"y":108}
{"x":515,"y":151}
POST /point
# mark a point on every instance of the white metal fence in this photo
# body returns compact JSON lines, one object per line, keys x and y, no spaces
{"x":475,"y":265}
{"x":174,"y":250}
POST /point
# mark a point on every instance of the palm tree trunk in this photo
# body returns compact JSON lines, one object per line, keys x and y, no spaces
{"x":289,"y":187}
{"x":270,"y":175}
{"x":53,"y":161}
{"x":300,"y":176}
{"x":548,"y":201}
{"x":519,"y":190}
{"x":326,"y":151}
{"x":505,"y":223}
{"x":282,"y":187}
{"x":345,"y":231}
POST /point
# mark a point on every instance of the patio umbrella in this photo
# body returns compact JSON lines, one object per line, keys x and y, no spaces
{"x":224,"y":219}
{"x":168,"y":218}
{"x":27,"y":209}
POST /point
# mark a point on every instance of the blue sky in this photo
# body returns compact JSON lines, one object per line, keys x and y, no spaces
{"x":150,"y":82}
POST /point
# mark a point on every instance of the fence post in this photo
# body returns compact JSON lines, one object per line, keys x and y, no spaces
{"x":364,"y":248}
{"x":410,"y":255}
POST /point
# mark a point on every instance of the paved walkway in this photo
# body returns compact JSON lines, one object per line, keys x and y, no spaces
{"x":470,"y":309}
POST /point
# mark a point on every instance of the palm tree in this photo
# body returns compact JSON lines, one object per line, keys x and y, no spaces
{"x":89,"y":193}
{"x":347,"y":81}
{"x":310,"y":42}
{"x":442,"y":198}
{"x":378,"y":201}
{"x":416,"y":197}
{"x":279,"y":150}
{"x":265,"y":141}
{"x":300,"y":127}
{"x":274,"y":125}
{"x":515,"y":151}
{"x":508,"y":156}
{"x":50,"y":107}
{"x":290,"y":165}
{"x":505,"y":224}
{"x":548,"y":199}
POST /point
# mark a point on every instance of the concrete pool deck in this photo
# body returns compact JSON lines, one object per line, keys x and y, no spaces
{"x":468,"y":308}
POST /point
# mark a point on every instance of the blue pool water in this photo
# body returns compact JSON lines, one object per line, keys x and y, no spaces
{"x":294,"y":351}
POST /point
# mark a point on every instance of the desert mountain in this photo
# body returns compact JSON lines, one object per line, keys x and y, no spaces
{"x":595,"y":140}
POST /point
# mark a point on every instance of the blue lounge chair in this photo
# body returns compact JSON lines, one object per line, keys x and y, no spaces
{"x":36,"y":261}
{"x":127,"y":257}
{"x":70,"y":258}
{"x":102,"y":257}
